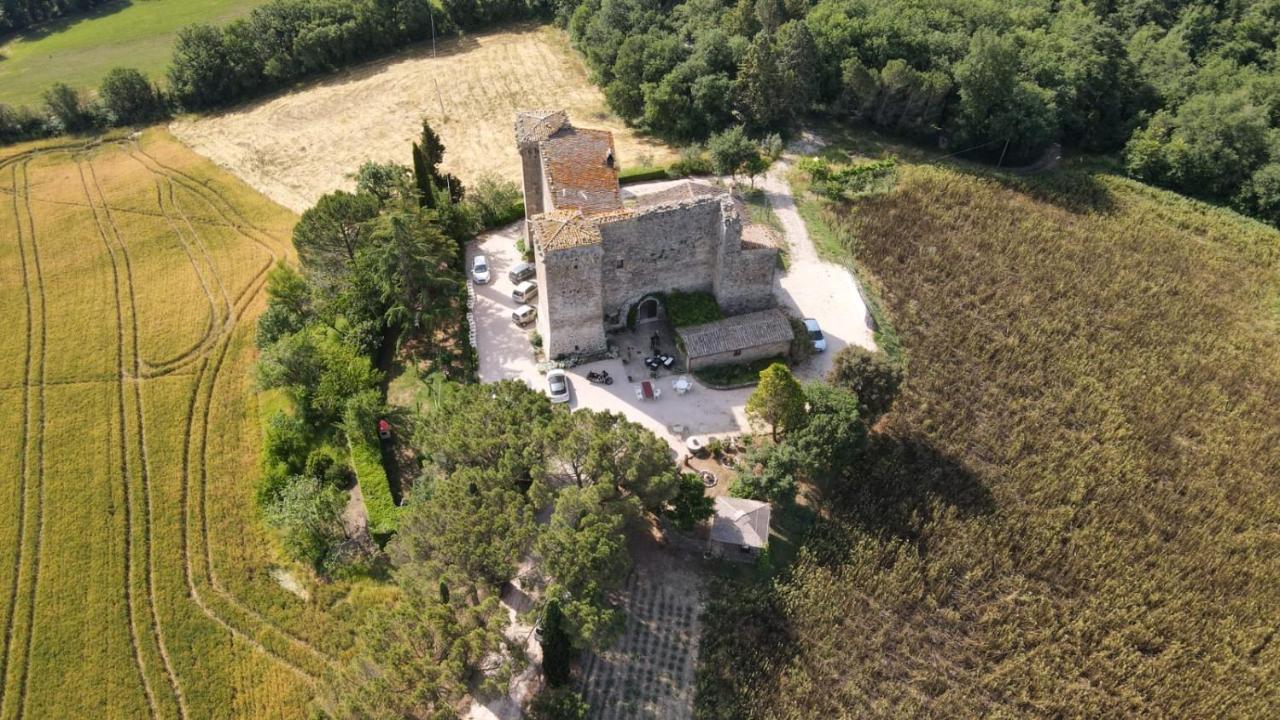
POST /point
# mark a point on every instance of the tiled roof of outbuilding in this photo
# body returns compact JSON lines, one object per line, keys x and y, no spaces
{"x":740,"y":332}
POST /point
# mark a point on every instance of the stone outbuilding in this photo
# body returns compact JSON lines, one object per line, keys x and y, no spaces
{"x":737,"y":339}
{"x":739,"y":528}
{"x":597,"y":257}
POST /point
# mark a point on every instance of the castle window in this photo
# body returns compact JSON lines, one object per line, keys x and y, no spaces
{"x":736,"y":353}
{"x":619,"y":263}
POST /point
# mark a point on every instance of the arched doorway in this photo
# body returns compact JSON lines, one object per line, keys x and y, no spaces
{"x":649,"y":309}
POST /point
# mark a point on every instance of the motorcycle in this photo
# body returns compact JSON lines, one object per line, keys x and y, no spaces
{"x":600,"y":378}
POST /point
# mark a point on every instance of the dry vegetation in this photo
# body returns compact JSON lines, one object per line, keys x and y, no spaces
{"x":1073,"y":510}
{"x":137,"y":580}
{"x":300,"y":145}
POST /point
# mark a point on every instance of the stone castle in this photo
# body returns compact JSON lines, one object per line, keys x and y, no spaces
{"x":598,"y":258}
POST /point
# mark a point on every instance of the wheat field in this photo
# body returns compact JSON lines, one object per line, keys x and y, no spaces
{"x":136,"y":576}
{"x":301,"y":144}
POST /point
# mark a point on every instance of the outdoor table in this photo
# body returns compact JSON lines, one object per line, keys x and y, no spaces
{"x":646,"y":388}
{"x":681,"y":385}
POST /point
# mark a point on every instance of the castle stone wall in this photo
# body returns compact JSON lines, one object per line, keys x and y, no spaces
{"x":666,"y":249}
{"x":745,"y":281}
{"x":570,"y":314}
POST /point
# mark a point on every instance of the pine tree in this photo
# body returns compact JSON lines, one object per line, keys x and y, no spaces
{"x":777,"y":401}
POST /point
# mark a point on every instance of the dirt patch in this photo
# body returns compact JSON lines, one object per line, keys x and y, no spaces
{"x":300,"y":145}
{"x":290,"y":582}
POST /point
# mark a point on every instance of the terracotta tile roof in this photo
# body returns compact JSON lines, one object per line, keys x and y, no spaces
{"x":739,"y":332}
{"x":739,"y":521}
{"x":579,"y":171}
{"x":534,"y":126}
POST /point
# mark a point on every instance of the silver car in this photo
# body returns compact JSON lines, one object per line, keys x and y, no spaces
{"x":558,"y":386}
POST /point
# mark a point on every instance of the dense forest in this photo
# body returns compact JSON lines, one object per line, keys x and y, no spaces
{"x":21,"y":14}
{"x":1188,"y":93}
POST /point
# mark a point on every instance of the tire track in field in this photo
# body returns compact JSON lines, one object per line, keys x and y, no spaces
{"x":197,"y":242}
{"x":241,"y":303}
{"x":256,"y":287}
{"x":122,"y":424}
{"x":23,"y":428}
{"x":207,"y":334}
{"x":143,"y":471}
{"x":40,"y":377}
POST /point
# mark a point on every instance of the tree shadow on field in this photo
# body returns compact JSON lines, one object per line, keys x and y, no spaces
{"x":1075,"y":190}
{"x":53,"y":27}
{"x":903,"y":484}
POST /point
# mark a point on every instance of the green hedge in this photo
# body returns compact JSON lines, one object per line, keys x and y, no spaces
{"x":366,"y":460}
{"x":642,"y":174}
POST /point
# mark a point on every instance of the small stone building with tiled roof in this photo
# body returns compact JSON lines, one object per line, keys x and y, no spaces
{"x":737,"y":339}
{"x":597,"y":257}
{"x":739,"y":528}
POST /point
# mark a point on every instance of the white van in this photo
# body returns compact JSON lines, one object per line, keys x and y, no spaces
{"x":524,"y":315}
{"x":525,"y":291}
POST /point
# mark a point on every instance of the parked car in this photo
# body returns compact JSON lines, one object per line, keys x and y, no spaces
{"x":525,"y":291}
{"x":815,"y":334}
{"x":522,"y":272}
{"x":524,"y":315}
{"x":558,"y":386}
{"x":480,"y":270}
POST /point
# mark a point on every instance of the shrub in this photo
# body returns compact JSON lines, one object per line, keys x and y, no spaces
{"x":20,"y":123}
{"x":696,"y":308}
{"x":693,"y":161}
{"x":496,"y":201}
{"x":366,"y":460}
{"x":68,"y":109}
{"x":690,"y":505}
{"x":309,"y":517}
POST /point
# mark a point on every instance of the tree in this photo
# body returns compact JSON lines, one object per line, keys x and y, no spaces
{"x":558,"y":704}
{"x":872,"y":377}
{"x":834,"y":436}
{"x":604,"y":448}
{"x":130,"y":97}
{"x":691,"y":505}
{"x":557,"y":649}
{"x":772,"y":475}
{"x":420,"y":655}
{"x":997,"y":107}
{"x":329,"y":235}
{"x":413,"y":265}
{"x":1210,"y":146}
{"x":759,"y":86}
{"x":67,"y":108}
{"x":473,"y":521}
{"x":497,"y":426}
{"x":731,"y":151}
{"x":797,"y":67}
{"x":288,"y":305}
{"x":778,"y":401}
{"x":308,"y":515}
{"x":583,"y":551}
{"x":388,"y":182}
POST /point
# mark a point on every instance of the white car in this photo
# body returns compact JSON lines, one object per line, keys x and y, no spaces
{"x":480,"y":270}
{"x":815,"y":334}
{"x":558,"y":386}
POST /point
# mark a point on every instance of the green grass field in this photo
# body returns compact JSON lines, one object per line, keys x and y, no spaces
{"x":80,"y":50}
{"x":1072,"y":510}
{"x":136,"y":580}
